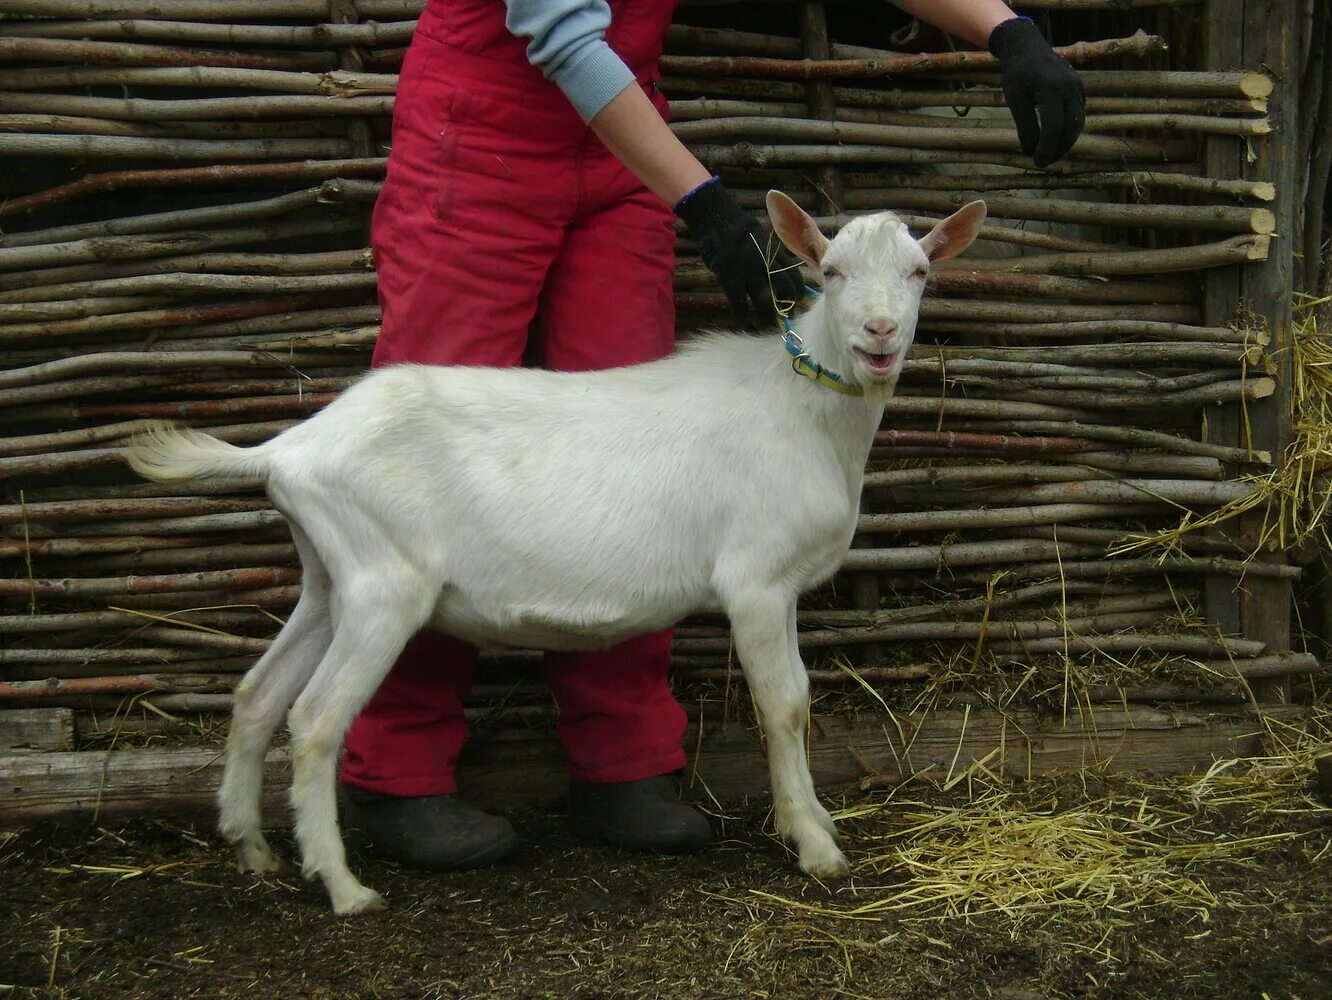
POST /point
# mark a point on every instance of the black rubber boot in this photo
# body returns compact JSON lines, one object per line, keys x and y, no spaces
{"x":642,"y":815}
{"x":437,"y":832}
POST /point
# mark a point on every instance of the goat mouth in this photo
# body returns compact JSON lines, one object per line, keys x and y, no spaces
{"x":878,"y":364}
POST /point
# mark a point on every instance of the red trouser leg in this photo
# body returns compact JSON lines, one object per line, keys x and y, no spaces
{"x":608,"y":302}
{"x":461,"y":260}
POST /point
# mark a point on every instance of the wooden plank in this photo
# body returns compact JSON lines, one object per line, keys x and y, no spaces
{"x":1258,"y":35}
{"x":1270,"y":40}
{"x":1222,"y":49}
{"x":515,"y":769}
{"x":33,"y":730}
{"x":819,"y":97}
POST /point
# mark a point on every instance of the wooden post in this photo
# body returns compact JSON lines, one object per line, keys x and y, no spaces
{"x":865,"y":591}
{"x":819,"y":96}
{"x":352,"y":58}
{"x":1259,"y":35}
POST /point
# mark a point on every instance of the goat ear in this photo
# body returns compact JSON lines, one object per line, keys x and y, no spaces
{"x":796,"y":229}
{"x":955,"y":233}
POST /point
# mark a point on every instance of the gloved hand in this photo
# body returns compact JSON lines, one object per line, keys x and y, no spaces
{"x":1043,"y":91}
{"x":732,"y":243}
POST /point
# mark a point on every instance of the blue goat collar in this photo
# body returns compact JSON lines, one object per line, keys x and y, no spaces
{"x":803,"y":364}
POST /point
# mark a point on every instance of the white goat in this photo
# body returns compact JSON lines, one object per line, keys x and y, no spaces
{"x":571,"y":511}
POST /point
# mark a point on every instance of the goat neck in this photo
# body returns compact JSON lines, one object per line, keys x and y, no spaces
{"x":849,"y":422}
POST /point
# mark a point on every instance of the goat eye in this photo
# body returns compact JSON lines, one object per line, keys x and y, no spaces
{"x":831,"y":272}
{"x":921,"y":272}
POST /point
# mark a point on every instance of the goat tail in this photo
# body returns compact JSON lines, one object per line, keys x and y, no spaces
{"x":166,"y":452}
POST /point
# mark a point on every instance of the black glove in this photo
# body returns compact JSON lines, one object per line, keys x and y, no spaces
{"x":1038,"y":81}
{"x":732,"y":245}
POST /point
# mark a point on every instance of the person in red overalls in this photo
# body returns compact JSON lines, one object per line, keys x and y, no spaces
{"x":527,"y":212}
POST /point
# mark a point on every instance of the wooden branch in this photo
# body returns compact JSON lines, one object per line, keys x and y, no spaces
{"x":1155,"y":83}
{"x":146,"y":319}
{"x":874,"y":675}
{"x":184,"y":285}
{"x":129,"y":148}
{"x":1134,"y":180}
{"x":168,"y":582}
{"x":925,"y":374}
{"x":1161,"y":102}
{"x":1183,"y":492}
{"x":1057,"y":449}
{"x":207,"y":10}
{"x":915,"y":137}
{"x":122,"y":54}
{"x":202,"y":557}
{"x":149,"y":362}
{"x":317,"y":36}
{"x":1141,"y":438}
{"x":1139,"y":44}
{"x":248,"y":173}
{"x":81,"y":620}
{"x":1115,"y":5}
{"x":1215,"y":218}
{"x":1093,"y":329}
{"x":954,"y":107}
{"x":321,"y":392}
{"x":1007,"y":312}
{"x":1181,"y":353}
{"x":167,"y":221}
{"x":1001,"y":517}
{"x":334,"y":83}
{"x":1235,"y":250}
{"x":997,"y":442}
{"x":135,"y":684}
{"x":969,"y":281}
{"x":12,"y":547}
{"x":752,"y":155}
{"x":1204,"y":124}
{"x":156,"y":245}
{"x":281,"y":599}
{"x":1209,"y":394}
{"x":1112,"y":537}
{"x":106,"y":509}
{"x":990,"y":629}
{"x":1197,"y":645}
{"x":43,"y":124}
{"x":940,"y":557}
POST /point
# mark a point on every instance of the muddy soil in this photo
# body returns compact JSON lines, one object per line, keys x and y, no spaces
{"x":156,"y":910}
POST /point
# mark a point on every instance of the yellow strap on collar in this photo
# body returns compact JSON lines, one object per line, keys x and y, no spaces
{"x":803,"y":364}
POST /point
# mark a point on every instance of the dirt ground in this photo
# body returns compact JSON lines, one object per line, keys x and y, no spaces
{"x":156,"y":910}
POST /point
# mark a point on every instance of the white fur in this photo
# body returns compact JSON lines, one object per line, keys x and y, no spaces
{"x":567,"y":511}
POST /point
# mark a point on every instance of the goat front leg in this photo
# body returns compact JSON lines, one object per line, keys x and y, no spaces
{"x":765,"y":637}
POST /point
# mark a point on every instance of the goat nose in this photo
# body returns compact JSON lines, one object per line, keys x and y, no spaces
{"x":881,"y":327}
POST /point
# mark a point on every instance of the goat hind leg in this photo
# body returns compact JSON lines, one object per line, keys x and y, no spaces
{"x":262,"y":699}
{"x":765,"y":638}
{"x":375,"y":620}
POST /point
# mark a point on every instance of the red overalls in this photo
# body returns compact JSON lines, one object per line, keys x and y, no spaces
{"x":503,"y":214}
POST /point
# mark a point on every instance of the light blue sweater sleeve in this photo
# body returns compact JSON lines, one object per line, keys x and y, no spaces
{"x":569,"y":46}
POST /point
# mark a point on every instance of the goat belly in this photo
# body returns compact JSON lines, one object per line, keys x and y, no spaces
{"x":563,"y":629}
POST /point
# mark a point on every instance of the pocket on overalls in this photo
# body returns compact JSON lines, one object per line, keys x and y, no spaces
{"x":446,"y":165}
{"x":477,"y":153}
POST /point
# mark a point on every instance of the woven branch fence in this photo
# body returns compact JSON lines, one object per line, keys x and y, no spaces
{"x":185,"y":237}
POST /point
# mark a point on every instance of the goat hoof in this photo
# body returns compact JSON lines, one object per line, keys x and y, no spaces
{"x":363,"y":900}
{"x":257,"y":858}
{"x":826,"y":863}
